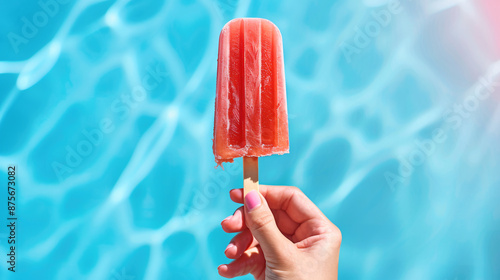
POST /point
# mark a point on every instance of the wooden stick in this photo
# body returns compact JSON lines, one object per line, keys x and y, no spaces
{"x":250,"y":174}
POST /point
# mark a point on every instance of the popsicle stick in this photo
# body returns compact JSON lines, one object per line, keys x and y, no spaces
{"x":250,"y":174}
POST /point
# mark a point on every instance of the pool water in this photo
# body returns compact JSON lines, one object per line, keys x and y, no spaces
{"x":106,"y":109}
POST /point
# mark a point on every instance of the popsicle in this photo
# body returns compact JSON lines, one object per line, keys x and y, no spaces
{"x":251,"y":117}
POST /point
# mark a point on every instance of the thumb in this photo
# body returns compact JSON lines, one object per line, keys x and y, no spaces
{"x":260,"y":221}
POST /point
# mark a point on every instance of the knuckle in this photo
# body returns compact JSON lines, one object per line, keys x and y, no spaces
{"x":296,"y":190}
{"x":336,"y":235}
{"x":262,"y":221}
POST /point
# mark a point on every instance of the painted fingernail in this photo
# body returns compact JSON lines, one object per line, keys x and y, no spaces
{"x":227,"y":219}
{"x":230,"y":246}
{"x":222,"y":268}
{"x":252,"y":200}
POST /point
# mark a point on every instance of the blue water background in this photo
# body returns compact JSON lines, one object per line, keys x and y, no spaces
{"x":144,"y":201}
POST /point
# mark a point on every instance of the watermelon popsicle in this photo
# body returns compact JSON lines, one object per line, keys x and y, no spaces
{"x":250,"y":105}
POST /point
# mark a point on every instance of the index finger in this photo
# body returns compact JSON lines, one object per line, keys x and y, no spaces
{"x":290,"y":199}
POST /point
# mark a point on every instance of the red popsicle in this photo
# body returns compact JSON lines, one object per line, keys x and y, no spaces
{"x":250,"y":105}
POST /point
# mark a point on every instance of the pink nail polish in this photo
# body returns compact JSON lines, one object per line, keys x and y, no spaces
{"x":226,"y":219}
{"x":231,"y":245}
{"x":252,"y":200}
{"x":222,"y":268}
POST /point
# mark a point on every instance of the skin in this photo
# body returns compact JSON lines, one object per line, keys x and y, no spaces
{"x":285,"y":237}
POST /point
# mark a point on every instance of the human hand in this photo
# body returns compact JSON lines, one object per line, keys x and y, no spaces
{"x":282,"y":235}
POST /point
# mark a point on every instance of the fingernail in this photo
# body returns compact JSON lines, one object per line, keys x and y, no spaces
{"x":252,"y":200}
{"x":222,"y":268}
{"x":231,"y":245}
{"x":226,"y":219}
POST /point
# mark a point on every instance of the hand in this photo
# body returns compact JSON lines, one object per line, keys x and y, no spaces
{"x":282,"y":235}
